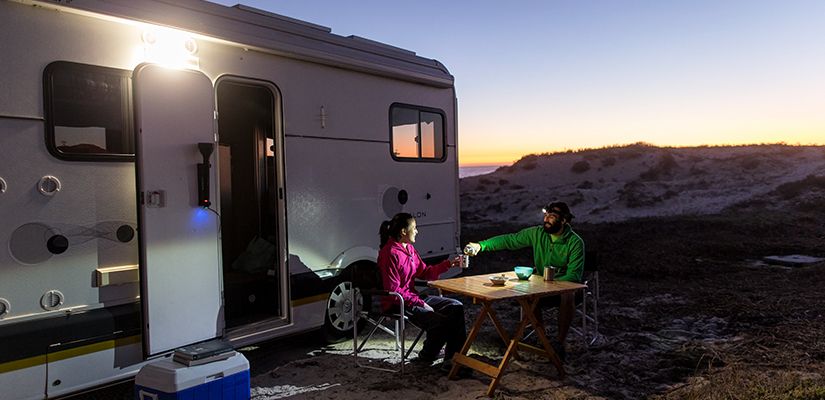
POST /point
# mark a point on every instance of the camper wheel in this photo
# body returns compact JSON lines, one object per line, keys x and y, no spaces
{"x":338,"y":319}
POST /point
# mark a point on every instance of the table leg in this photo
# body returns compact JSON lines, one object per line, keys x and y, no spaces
{"x":499,"y":328}
{"x":461,"y":357}
{"x":548,"y":350}
{"x":514,"y":344}
{"x":501,"y":331}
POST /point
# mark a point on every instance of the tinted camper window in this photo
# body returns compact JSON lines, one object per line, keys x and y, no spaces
{"x":88,"y":112}
{"x":417,"y":133}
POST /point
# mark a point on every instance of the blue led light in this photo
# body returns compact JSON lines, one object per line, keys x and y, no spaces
{"x":200,"y":216}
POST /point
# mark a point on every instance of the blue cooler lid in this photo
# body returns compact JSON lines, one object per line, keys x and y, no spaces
{"x":170,"y":377}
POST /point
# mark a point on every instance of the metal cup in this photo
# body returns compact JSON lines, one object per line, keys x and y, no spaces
{"x":549,"y":274}
{"x":465,"y":261}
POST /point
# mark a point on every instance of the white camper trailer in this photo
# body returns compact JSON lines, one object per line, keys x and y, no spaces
{"x":175,"y":172}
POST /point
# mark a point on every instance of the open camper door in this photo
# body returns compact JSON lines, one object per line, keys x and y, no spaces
{"x":178,"y":237}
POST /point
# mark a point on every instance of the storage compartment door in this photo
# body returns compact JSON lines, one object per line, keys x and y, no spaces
{"x":179,"y":248}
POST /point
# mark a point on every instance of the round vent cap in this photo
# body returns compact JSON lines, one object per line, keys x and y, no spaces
{"x":51,"y":300}
{"x":57,"y":244}
{"x":125,"y":233}
{"x":48,"y":185}
{"x":5,"y":307}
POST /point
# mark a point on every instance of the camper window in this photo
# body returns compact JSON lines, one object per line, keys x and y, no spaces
{"x":417,"y":133}
{"x":88,"y":112}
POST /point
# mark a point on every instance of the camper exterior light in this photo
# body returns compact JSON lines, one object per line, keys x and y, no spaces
{"x":190,"y":45}
{"x":170,"y":48}
{"x":149,"y":37}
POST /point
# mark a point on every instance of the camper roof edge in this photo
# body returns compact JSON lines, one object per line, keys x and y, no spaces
{"x":265,"y":32}
{"x":265,"y":13}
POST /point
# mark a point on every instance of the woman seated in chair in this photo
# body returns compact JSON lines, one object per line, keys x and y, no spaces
{"x":441,"y":317}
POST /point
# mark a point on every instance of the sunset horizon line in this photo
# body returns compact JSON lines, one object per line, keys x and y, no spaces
{"x":639,"y":143}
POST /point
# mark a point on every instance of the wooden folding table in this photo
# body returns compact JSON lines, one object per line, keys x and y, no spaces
{"x":527,"y":293}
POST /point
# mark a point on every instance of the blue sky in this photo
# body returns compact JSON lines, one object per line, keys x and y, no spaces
{"x":544,"y":76}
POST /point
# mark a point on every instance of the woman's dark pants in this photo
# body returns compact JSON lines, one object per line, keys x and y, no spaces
{"x":444,"y":326}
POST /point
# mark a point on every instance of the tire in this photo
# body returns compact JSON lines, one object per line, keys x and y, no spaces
{"x":338,"y":319}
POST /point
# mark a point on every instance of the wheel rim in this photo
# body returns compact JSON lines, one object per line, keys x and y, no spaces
{"x":340,"y":307}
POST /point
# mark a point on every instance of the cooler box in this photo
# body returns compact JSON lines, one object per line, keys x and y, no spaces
{"x":169,"y":380}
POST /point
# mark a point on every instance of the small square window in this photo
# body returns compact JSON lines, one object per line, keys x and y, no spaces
{"x":417,"y":133}
{"x":88,"y":112}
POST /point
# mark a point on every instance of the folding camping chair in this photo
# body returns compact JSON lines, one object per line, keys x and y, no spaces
{"x":367,"y":282}
{"x":587,"y":299}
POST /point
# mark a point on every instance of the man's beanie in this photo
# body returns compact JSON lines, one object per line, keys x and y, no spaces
{"x":560,"y":208}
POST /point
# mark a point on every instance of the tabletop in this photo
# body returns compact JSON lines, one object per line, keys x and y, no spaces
{"x":480,"y":286}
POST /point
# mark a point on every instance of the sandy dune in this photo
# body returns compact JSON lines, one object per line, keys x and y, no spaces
{"x":615,"y":184}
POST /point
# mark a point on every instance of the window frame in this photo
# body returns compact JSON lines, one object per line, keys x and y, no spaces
{"x":127,"y":110}
{"x":420,"y":109}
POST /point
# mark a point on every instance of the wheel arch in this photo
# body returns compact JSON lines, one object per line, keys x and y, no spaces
{"x":339,"y":306}
{"x":353,"y":255}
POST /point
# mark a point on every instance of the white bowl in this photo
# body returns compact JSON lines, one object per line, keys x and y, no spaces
{"x":498,"y":280}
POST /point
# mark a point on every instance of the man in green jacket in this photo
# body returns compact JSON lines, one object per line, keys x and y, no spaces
{"x":554,"y":245}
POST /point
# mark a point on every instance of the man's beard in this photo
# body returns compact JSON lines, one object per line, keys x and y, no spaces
{"x":550,"y":229}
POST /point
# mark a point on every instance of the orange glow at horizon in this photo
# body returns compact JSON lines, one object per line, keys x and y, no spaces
{"x":506,"y":154}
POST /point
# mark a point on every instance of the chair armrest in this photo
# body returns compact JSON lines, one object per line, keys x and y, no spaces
{"x":379,"y":292}
{"x":375,"y":292}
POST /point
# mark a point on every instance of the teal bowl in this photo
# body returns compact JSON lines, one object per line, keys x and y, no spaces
{"x":524,"y":272}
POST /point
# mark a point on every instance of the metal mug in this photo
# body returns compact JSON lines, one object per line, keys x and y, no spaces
{"x":465,"y":261}
{"x":549,"y":274}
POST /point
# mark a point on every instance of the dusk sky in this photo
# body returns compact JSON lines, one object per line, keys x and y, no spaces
{"x":546,"y":76}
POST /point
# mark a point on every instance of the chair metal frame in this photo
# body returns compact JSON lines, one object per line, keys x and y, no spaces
{"x":377,"y":319}
{"x":591,"y":295}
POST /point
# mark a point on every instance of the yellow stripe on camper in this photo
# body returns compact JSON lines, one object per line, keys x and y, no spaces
{"x":22,"y":364}
{"x":81,"y":351}
{"x":128,"y":340}
{"x":93,"y":348}
{"x":66,"y":354}
{"x":309,"y":300}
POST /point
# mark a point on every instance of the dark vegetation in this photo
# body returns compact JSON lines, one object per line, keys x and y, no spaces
{"x":795,"y":189}
{"x":664,"y":167}
{"x":635,"y":150}
{"x":580,"y":167}
{"x":709,"y":320}
{"x":610,"y":155}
